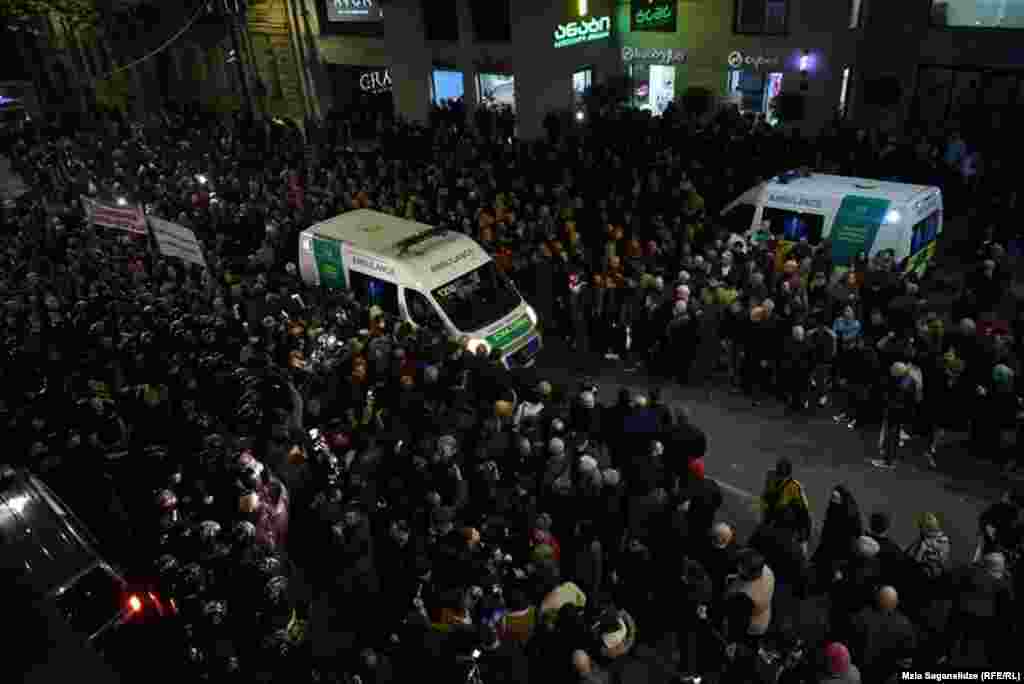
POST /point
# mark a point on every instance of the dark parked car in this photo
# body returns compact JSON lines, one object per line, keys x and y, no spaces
{"x":50,"y":550}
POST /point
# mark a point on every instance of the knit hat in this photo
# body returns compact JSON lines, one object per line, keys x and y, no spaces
{"x":866,"y":547}
{"x":696,"y":468}
{"x":929,"y":522}
{"x":837,"y":656}
{"x":588,"y":464}
{"x":1002,"y":375}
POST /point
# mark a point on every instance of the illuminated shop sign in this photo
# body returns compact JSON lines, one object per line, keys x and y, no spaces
{"x":354,"y":10}
{"x":375,"y":81}
{"x":651,"y":15}
{"x":654,"y":55}
{"x":583,"y":31}
{"x":738,"y":60}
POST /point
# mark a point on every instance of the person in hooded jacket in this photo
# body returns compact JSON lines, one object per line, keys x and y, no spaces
{"x":843,"y":526}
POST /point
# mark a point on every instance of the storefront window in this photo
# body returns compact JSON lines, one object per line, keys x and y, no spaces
{"x":654,"y":86}
{"x":581,"y":82}
{"x":497,"y":90}
{"x":754,"y":91}
{"x":1001,"y":14}
{"x":448,"y":85}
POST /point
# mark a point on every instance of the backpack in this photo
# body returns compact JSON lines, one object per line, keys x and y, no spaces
{"x":929,"y":558}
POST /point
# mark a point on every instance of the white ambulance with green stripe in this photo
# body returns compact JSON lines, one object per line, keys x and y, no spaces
{"x":428,"y":276}
{"x":856,"y":214}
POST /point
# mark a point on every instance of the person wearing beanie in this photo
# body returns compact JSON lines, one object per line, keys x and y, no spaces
{"x":880,"y":635}
{"x":838,"y":667}
{"x":702,"y":497}
{"x":931,"y":553}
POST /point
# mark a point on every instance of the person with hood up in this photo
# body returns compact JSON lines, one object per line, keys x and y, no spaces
{"x":842,"y":527}
{"x":854,"y":585}
{"x":839,"y":669}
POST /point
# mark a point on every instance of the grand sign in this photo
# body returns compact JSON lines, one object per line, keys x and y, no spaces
{"x":583,"y":30}
{"x":375,"y":81}
{"x":653,"y":15}
{"x":354,"y":10}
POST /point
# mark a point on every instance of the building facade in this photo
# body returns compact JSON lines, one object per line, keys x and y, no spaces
{"x":952,"y":63}
{"x":928,"y":62}
{"x":538,"y":55}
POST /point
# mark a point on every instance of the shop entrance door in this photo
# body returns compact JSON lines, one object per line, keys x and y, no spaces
{"x":754,"y":90}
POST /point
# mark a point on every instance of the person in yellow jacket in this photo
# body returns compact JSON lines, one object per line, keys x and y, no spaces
{"x":784,"y":501}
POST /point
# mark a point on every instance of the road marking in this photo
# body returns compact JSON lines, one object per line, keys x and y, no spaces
{"x":734,"y":490}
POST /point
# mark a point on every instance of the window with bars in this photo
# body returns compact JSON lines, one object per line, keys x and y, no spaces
{"x":763,"y":17}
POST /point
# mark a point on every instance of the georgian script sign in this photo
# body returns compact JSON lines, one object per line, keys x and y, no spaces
{"x":584,"y":30}
{"x":653,"y":15}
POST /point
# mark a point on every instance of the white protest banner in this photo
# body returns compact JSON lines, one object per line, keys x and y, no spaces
{"x":128,"y":218}
{"x":177,"y":241}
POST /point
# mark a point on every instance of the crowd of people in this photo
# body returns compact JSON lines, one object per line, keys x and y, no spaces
{"x":254,"y":437}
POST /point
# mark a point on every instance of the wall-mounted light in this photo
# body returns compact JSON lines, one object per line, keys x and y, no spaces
{"x":580,"y":115}
{"x":582,"y":6}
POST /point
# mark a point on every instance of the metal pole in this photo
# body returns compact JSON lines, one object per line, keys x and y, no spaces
{"x":233,"y":11}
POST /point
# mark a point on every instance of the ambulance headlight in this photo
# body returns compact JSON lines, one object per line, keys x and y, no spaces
{"x":474,"y":345}
{"x":531,"y":314}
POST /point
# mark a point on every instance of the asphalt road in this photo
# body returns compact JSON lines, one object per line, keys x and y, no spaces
{"x":744,"y":443}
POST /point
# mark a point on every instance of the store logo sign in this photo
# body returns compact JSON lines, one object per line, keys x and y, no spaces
{"x":738,"y":60}
{"x":655,"y":55}
{"x":375,"y":81}
{"x":653,"y":18}
{"x":583,"y":31}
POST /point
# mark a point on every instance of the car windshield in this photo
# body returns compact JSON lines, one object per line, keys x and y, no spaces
{"x":477,"y":298}
{"x":92,"y":601}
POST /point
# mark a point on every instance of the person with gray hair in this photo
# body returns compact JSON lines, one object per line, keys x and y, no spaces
{"x":982,"y":609}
